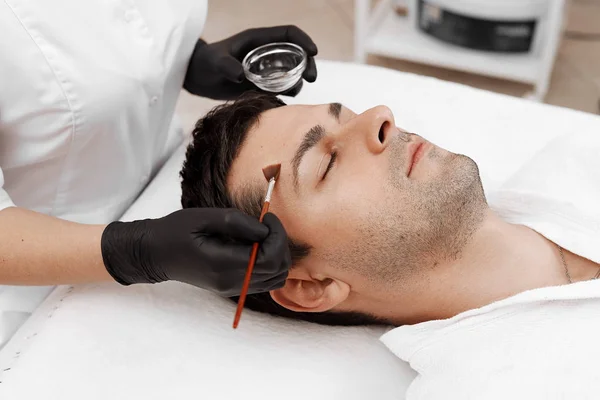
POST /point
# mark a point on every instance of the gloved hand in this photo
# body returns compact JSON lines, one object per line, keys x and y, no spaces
{"x":215,"y":70}
{"x":205,"y":247}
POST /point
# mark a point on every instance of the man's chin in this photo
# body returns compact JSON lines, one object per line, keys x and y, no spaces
{"x":462,"y":177}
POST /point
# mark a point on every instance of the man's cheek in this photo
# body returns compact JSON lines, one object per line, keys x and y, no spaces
{"x":352,"y":186}
{"x":350,"y":207}
{"x":359,"y":192}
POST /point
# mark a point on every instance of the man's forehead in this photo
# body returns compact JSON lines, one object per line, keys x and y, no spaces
{"x":285,"y":124}
{"x":273,"y":139}
{"x":279,"y":126}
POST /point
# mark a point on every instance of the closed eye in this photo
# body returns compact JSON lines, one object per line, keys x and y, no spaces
{"x":331,"y":164}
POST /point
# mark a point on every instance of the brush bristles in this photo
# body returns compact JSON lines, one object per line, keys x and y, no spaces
{"x":272,"y":171}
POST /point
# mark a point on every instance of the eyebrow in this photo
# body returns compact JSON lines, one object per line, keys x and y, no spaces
{"x":334,"y":110}
{"x":311,"y":139}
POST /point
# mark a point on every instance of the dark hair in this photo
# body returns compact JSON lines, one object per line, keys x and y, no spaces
{"x":216,"y":141}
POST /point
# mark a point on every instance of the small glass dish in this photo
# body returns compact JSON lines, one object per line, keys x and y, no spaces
{"x":275,"y":67}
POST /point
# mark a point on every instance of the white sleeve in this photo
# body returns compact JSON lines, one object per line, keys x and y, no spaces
{"x":5,"y":200}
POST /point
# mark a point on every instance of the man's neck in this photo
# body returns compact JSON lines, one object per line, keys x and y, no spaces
{"x":500,"y":260}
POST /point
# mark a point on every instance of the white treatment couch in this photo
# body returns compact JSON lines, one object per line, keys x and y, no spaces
{"x":172,"y":341}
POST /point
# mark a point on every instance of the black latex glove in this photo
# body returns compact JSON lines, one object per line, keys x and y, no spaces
{"x":205,"y":247}
{"x":215,"y":70}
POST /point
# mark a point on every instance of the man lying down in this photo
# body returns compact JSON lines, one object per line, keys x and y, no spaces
{"x":384,"y":226}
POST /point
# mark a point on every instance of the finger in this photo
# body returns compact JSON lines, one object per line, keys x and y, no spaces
{"x":231,"y":69}
{"x":253,"y":38}
{"x":227,"y":258}
{"x":273,"y":283}
{"x":261,"y":276}
{"x":294,"y":90}
{"x":299,"y":37}
{"x":230,"y":262}
{"x":310,"y":73}
{"x":234,"y":224}
{"x":248,"y":86}
{"x":274,"y":254}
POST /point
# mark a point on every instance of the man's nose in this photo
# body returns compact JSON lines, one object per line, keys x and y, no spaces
{"x":377,"y":127}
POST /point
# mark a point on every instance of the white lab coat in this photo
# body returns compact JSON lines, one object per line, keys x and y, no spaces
{"x":87,"y":95}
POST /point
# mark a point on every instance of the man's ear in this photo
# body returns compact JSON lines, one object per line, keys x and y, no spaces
{"x":304,"y":293}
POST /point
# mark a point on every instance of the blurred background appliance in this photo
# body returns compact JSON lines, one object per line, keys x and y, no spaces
{"x":509,"y":39}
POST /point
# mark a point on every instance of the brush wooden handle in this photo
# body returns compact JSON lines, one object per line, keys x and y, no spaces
{"x":249,"y":269}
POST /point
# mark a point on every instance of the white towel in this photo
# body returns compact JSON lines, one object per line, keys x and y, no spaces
{"x":540,"y":344}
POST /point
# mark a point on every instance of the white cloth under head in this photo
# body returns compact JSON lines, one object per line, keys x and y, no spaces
{"x":541,"y":344}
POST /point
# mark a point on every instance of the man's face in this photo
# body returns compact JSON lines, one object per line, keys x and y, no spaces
{"x":381,"y":208}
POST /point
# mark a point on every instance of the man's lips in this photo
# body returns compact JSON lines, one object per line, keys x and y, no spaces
{"x":416,"y":150}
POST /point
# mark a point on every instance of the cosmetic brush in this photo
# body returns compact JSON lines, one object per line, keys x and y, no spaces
{"x":271,"y":174}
